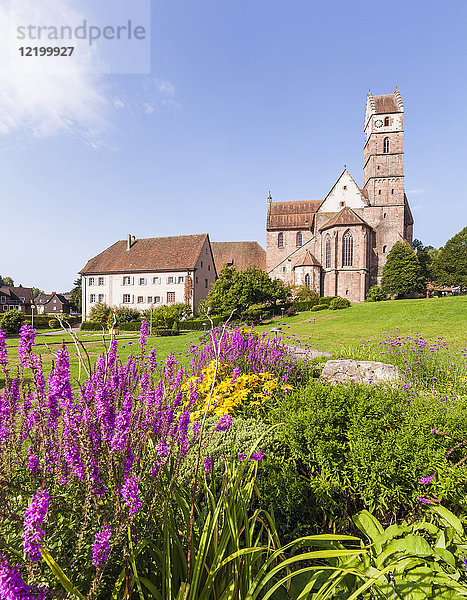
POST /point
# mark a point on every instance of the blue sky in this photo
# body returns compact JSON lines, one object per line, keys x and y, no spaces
{"x":242,"y":98}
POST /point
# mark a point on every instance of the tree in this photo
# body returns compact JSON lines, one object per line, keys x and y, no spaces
{"x":402,"y":273}
{"x":36,"y":291}
{"x":450,"y":265}
{"x":6,"y":281}
{"x":240,"y":289}
{"x":76,"y":294}
{"x":167,"y":315}
{"x":12,"y":321}
{"x":100,"y":313}
{"x":304,"y":293}
{"x":375,"y":294}
{"x":425,"y":257}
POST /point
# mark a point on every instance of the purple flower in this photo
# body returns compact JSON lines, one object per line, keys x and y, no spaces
{"x":225,"y":423}
{"x":257,"y":456}
{"x":143,"y":333}
{"x":25,"y":344}
{"x":235,"y":373}
{"x":464,"y":560}
{"x":434,"y":431}
{"x":12,"y":586}
{"x":130,"y":494}
{"x":3,"y":351}
{"x":207,"y":465}
{"x":101,"y":546}
{"x":427,"y":500}
{"x":428,"y":479}
{"x":241,"y":456}
{"x":33,"y":517}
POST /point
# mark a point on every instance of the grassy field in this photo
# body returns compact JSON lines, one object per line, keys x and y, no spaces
{"x":333,"y":331}
{"x":342,"y":329}
{"x":94,"y":344}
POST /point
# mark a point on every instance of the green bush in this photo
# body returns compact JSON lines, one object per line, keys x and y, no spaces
{"x":100,"y":313}
{"x":303,"y":305}
{"x":326,"y":299}
{"x":54,"y":324}
{"x":375,"y":294}
{"x":11,"y":321}
{"x":165,"y":316}
{"x":350,"y":447}
{"x":339,"y":303}
{"x":197,"y":324}
{"x":131,"y":326}
{"x":126,"y":314}
{"x":320,"y":307}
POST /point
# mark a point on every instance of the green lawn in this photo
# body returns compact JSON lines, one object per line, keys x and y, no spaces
{"x":342,"y":329}
{"x":325,"y":330}
{"x":94,"y":344}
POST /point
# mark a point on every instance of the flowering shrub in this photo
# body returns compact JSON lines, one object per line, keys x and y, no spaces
{"x":87,"y":466}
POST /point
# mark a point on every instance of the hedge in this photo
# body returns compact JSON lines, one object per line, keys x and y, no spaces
{"x":42,"y":321}
{"x":91,"y":326}
{"x":320,"y":307}
{"x":198,"y":324}
{"x":302,"y":305}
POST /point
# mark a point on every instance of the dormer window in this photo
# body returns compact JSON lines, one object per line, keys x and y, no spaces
{"x":386,"y":145}
{"x":386,"y":121}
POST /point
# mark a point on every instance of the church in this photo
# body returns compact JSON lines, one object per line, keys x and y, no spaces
{"x":338,"y":246}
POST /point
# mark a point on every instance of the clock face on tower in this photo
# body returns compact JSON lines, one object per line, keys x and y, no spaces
{"x":378,"y":123}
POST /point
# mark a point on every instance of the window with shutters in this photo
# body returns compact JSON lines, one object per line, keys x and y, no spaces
{"x":156,"y":280}
{"x":100,"y":281}
{"x":91,"y":281}
{"x":142,"y":281}
{"x":92,"y":298}
{"x":101,"y":298}
{"x":126,"y":280}
{"x":126,"y":298}
{"x":170,"y":297}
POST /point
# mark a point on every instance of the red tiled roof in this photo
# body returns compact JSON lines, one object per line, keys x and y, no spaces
{"x":345,"y":217}
{"x":292,"y":215}
{"x":386,"y":104}
{"x":239,"y":254}
{"x":307,"y":260}
{"x":175,"y":253}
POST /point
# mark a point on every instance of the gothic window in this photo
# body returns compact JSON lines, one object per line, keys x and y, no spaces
{"x":307,"y":280}
{"x":386,"y":121}
{"x":299,"y":239}
{"x":386,"y":145}
{"x":280,"y":240}
{"x":347,"y":250}
{"x":328,"y":252}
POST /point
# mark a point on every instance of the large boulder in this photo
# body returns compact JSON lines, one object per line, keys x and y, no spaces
{"x":359,"y":371}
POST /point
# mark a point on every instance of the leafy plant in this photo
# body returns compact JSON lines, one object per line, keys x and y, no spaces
{"x":402,"y":273}
{"x":375,"y":294}
{"x":11,"y":321}
{"x":339,"y":303}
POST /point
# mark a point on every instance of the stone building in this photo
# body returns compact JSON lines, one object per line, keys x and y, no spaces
{"x":140,"y":273}
{"x":338,"y":246}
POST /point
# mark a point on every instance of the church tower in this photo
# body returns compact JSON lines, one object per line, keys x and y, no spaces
{"x":383,"y":165}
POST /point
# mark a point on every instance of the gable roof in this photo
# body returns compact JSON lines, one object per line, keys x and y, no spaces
{"x":16,"y":293}
{"x":45,"y":298}
{"x":345,"y":217}
{"x":292,"y":215}
{"x":175,"y":253}
{"x":352,"y":193}
{"x":239,"y":254}
{"x":307,"y":260}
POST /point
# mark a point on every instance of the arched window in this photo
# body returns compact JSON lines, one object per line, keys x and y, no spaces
{"x":307,"y":280}
{"x":328,"y":253}
{"x":347,"y":250}
{"x":280,"y":240}
{"x":386,"y":145}
{"x":386,"y":121}
{"x":384,"y":249}
{"x":299,"y":239}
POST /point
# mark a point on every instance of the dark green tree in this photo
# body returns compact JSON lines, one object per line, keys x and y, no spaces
{"x":241,"y":289}
{"x":76,"y":294}
{"x":402,"y":273}
{"x":167,"y":315}
{"x":425,"y":257}
{"x":450,"y":265}
{"x":36,"y":291}
{"x":7,"y":281}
